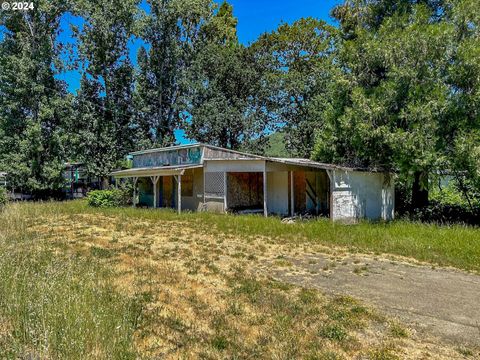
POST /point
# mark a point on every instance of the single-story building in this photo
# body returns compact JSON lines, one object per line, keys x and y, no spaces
{"x":202,"y":177}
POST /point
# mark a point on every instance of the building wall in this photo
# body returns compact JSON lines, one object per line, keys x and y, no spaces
{"x":357,"y":195}
{"x":195,"y":202}
{"x":145,"y":192}
{"x":211,"y":153}
{"x":277,"y":192}
{"x":167,"y":191}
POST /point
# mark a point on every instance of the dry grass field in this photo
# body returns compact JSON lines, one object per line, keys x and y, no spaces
{"x":81,"y":283}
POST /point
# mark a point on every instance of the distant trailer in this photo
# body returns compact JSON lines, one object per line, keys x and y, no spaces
{"x":202,"y":177}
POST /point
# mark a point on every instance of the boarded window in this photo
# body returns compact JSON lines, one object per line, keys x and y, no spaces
{"x":245,"y":190}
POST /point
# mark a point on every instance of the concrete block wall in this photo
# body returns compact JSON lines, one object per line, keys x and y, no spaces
{"x":357,"y":195}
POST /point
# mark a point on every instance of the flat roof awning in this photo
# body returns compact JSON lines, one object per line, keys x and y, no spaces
{"x":154,"y":171}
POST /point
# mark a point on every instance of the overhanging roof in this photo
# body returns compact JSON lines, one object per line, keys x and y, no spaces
{"x":319,"y":165}
{"x":153,"y":171}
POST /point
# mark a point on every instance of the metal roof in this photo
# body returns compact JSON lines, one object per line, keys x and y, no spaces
{"x":319,"y":165}
{"x":153,"y":171}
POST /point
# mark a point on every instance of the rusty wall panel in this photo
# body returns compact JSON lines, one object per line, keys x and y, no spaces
{"x":323,"y":192}
{"x":167,"y":186}
{"x":244,"y":190}
{"x":299,"y":188}
{"x":165,"y":158}
{"x":187,"y":183}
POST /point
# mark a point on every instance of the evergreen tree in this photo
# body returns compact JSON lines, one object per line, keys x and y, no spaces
{"x":395,"y":102}
{"x":103,"y":50}
{"x":224,"y":105}
{"x":34,"y":105}
{"x":299,"y":62}
{"x":94,"y":144}
{"x":171,"y":32}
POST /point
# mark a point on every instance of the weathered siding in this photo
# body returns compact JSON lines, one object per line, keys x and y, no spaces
{"x":234,"y":165}
{"x":244,"y":190}
{"x":210,"y":153}
{"x":300,"y":197}
{"x":195,"y":201}
{"x":188,"y":156}
{"x":357,"y":195}
{"x":277,"y":192}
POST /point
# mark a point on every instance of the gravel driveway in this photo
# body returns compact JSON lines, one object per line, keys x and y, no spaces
{"x":441,"y":302}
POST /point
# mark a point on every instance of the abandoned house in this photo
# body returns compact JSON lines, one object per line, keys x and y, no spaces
{"x":208,"y":178}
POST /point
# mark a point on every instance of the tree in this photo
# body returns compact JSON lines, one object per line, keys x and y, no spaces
{"x":463,"y":134}
{"x":224,"y":105}
{"x":171,"y":33}
{"x":103,"y":51}
{"x":299,"y":63}
{"x":95,"y":147}
{"x":34,"y":105}
{"x":391,"y":104}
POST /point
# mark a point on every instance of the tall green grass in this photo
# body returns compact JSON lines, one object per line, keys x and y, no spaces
{"x":54,"y":306}
{"x":444,"y":245}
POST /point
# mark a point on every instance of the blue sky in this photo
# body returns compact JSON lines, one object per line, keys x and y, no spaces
{"x":258,"y":16}
{"x":254,"y":18}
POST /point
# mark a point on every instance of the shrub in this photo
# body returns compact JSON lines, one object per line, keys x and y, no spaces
{"x":448,"y":214}
{"x":108,"y":198}
{"x":3,"y":197}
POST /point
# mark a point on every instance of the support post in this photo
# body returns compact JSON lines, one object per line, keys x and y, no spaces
{"x":179,"y":194}
{"x":292,"y":195}
{"x":204,"y":207}
{"x":134,"y":202}
{"x":265,"y":210}
{"x":224,"y":192}
{"x":154,"y":181}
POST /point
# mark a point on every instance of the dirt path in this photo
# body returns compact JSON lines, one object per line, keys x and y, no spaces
{"x":441,"y":302}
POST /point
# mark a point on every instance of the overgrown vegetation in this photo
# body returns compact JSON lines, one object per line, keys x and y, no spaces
{"x":82,"y":282}
{"x":109,"y":198}
{"x":444,"y":245}
{"x":448,"y":204}
{"x":3,"y":197}
{"x":58,"y":305}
